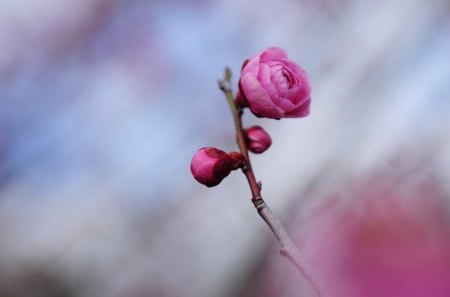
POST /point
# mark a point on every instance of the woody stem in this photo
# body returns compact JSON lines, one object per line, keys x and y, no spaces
{"x":288,"y":248}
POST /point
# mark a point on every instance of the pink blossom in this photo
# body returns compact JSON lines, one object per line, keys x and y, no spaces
{"x":210,"y":166}
{"x":274,"y":86}
{"x":258,"y":139}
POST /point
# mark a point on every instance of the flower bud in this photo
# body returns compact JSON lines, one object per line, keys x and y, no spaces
{"x":258,"y":140}
{"x":210,"y":166}
{"x":274,"y":86}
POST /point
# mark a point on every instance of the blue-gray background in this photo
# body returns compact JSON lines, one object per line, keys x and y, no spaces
{"x":103,"y":103}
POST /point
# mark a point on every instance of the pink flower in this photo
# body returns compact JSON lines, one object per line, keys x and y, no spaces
{"x":210,"y":166}
{"x":275,"y":87}
{"x":258,"y":139}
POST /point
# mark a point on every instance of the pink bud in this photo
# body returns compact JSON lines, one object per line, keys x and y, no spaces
{"x":210,"y":166}
{"x":258,"y":140}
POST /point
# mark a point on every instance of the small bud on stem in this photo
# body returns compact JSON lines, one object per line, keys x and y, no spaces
{"x":258,"y":139}
{"x":210,"y":166}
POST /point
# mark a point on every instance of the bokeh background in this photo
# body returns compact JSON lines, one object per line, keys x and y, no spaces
{"x":103,"y":103}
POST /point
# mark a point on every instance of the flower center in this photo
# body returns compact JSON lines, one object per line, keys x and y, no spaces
{"x":287,"y":78}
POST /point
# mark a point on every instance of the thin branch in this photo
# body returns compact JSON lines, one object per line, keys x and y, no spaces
{"x":224,"y":85}
{"x":288,"y":248}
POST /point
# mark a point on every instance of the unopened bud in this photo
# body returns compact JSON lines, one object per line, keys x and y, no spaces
{"x":258,"y":140}
{"x":210,"y":166}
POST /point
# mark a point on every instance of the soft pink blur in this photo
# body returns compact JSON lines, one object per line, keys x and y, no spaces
{"x":274,"y":86}
{"x":386,"y":242}
{"x":388,"y":236}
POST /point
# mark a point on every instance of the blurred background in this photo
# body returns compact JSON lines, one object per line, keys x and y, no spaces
{"x":104,"y":102}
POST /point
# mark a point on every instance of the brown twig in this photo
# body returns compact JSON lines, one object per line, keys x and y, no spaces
{"x":288,"y":249}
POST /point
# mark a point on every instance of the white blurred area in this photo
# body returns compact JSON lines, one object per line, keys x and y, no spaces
{"x":103,"y":103}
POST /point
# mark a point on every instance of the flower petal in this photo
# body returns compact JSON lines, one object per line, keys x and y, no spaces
{"x":273,"y":53}
{"x":305,"y":93}
{"x":291,"y":94}
{"x":251,"y":65}
{"x":265,"y":79}
{"x":300,"y":111}
{"x":258,"y":98}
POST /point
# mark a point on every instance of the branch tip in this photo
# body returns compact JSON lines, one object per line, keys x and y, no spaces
{"x":227,"y":74}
